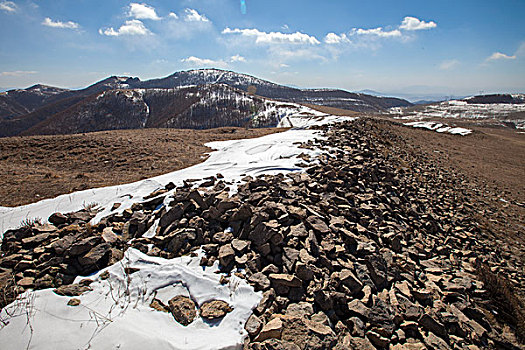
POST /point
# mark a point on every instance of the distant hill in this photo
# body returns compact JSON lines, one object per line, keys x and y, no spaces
{"x":497,"y":98}
{"x":125,"y":102}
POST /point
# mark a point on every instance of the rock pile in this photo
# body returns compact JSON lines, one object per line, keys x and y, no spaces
{"x":359,"y":251}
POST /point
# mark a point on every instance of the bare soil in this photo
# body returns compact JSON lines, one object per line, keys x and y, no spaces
{"x":33,"y":168}
{"x":493,"y":161}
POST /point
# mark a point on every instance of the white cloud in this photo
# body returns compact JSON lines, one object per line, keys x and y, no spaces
{"x":194,"y":16}
{"x":237,"y":58}
{"x":8,"y":6}
{"x":203,"y":62}
{"x":284,"y":65}
{"x":332,"y":38}
{"x":500,"y":56}
{"x":284,"y":55}
{"x":379,"y":32}
{"x":412,"y":23}
{"x":48,"y":22}
{"x":17,"y":73}
{"x":449,"y":64}
{"x":274,"y":37}
{"x":173,"y":15}
{"x":142,"y":11}
{"x":131,"y":27}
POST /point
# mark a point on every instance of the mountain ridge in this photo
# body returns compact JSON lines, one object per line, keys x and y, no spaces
{"x":36,"y":109}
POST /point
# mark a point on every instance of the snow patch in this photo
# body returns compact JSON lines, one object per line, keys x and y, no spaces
{"x":116,"y":313}
{"x":439,"y":127}
{"x":275,"y":153}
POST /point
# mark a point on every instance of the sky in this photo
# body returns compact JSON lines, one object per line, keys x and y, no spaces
{"x":450,"y":47}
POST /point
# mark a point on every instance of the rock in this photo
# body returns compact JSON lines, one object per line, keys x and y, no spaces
{"x":46,"y":281}
{"x":158,"y":305}
{"x":290,"y":257}
{"x":226,"y":255}
{"x":253,"y":325}
{"x":434,"y":342}
{"x":304,"y":271}
{"x":73,"y":302}
{"x":377,"y":267}
{"x":356,"y":307}
{"x":222,"y":237}
{"x":183,"y":309}
{"x":377,"y":339}
{"x":271,"y":329}
{"x":350,"y":342}
{"x":260,"y":280}
{"x":26,"y":282}
{"x":270,"y":269}
{"x":285,"y":280}
{"x":240,"y":245}
{"x":72,"y":290}
{"x":299,"y":230}
{"x":215,"y":309}
{"x":358,"y":327}
{"x":37,"y":239}
{"x":301,"y":309}
{"x":83,"y":246}
{"x":62,"y":245}
{"x":405,"y":288}
{"x":263,"y":232}
{"x":171,"y":215}
{"x":267,"y":299}
{"x":95,"y":256}
{"x":431,"y":325}
{"x":321,"y":317}
{"x":109,"y":236}
{"x":319,"y":328}
{"x":180,"y":238}
{"x":350,"y":280}
{"x":45,"y":228}
{"x":273,"y":344}
{"x":57,"y":219}
{"x":243,"y":213}
{"x":318,"y":224}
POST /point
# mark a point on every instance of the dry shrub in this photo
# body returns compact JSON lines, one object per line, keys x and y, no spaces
{"x":507,"y":301}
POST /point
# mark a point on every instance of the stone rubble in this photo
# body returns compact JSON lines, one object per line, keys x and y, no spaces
{"x":358,"y":252}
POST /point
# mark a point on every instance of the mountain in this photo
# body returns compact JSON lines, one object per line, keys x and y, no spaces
{"x":190,"y":107}
{"x":325,"y":97}
{"x":203,"y":98}
{"x":496,"y":99}
{"x":22,"y":101}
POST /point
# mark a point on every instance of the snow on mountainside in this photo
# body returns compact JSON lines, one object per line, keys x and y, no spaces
{"x":502,"y":108}
{"x":325,"y":97}
{"x":31,"y":110}
{"x":22,"y":101}
{"x":195,"y":107}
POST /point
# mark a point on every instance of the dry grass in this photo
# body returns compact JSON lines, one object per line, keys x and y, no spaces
{"x":38,"y":167}
{"x":510,"y":307}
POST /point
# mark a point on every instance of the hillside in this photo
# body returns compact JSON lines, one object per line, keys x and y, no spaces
{"x":192,"y":107}
{"x":178,"y":100}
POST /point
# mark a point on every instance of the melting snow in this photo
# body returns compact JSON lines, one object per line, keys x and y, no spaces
{"x":117,"y":315}
{"x":271,"y":154}
{"x":439,"y":127}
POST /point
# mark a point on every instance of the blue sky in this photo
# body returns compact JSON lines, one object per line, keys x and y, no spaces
{"x":451,"y":47}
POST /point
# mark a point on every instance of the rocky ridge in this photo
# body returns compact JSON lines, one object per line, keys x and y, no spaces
{"x":372,"y":247}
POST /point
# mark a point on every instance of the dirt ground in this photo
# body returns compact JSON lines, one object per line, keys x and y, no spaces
{"x":493,"y":161}
{"x":33,"y":168}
